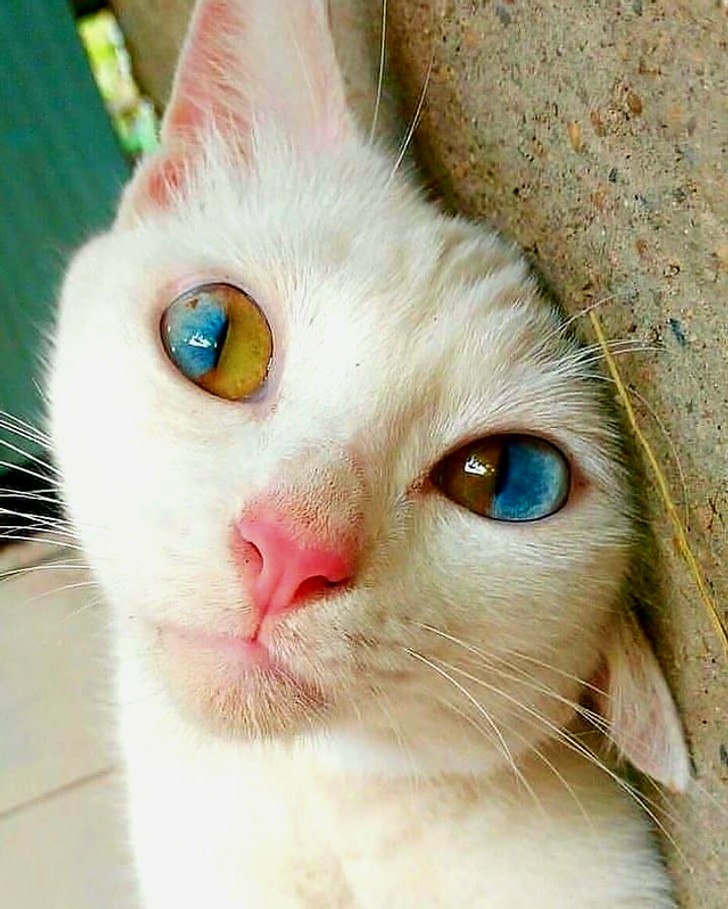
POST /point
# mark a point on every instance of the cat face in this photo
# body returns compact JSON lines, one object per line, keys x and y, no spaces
{"x":428,"y":631}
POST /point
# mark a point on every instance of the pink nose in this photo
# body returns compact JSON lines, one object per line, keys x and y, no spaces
{"x":292,"y":568}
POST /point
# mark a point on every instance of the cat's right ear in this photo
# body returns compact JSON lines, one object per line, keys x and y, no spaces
{"x":245,"y":64}
{"x":642,"y":722}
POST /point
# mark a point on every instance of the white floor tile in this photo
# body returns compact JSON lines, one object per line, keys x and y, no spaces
{"x":54,"y":679}
{"x":67,"y":852}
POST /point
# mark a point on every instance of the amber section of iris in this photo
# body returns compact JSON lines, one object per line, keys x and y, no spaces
{"x":246,"y":354}
{"x":469,"y":476}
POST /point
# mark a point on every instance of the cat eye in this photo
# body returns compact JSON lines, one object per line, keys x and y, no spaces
{"x":217,"y":337}
{"x":506,"y":477}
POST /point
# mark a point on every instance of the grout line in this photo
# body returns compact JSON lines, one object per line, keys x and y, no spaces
{"x":61,"y":790}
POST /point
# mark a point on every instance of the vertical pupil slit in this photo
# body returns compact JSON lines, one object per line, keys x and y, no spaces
{"x":501,"y":475}
{"x":219,"y":338}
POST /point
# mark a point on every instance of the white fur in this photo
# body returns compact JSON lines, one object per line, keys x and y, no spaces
{"x":399,"y":334}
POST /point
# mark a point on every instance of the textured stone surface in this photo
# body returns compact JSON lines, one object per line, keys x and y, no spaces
{"x":596,"y":136}
{"x":154,"y":31}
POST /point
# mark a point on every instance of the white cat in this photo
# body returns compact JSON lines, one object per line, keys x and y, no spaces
{"x":352,"y":490}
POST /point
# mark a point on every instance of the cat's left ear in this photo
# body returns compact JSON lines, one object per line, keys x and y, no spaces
{"x":643,"y":723}
{"x":245,"y":65}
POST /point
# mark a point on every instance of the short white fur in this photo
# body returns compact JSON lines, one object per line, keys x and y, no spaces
{"x":446,"y":764}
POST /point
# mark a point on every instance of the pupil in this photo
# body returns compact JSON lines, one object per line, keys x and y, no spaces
{"x":504,"y":463}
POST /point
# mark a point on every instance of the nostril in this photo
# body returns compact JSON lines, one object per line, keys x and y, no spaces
{"x":284,"y":568}
{"x":251,"y":557}
{"x":313,"y":587}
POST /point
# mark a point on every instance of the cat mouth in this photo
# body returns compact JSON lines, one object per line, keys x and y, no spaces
{"x":236,"y":652}
{"x":235,"y":684}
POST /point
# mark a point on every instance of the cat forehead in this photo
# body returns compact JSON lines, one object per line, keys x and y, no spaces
{"x":336,"y":235}
{"x":426,"y":295}
{"x":381,"y":307}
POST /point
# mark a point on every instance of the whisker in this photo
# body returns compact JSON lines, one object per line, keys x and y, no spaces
{"x":52,"y":481}
{"x":384,"y":703}
{"x":590,"y":715}
{"x":415,"y":120}
{"x":488,"y":658}
{"x":9,"y":493}
{"x":524,"y":678}
{"x":650,"y":806}
{"x":586,"y":356}
{"x":27,"y":536}
{"x":534,"y":684}
{"x":563,"y":327}
{"x":142,"y":699}
{"x":36,"y":521}
{"x":26,"y":455}
{"x":21,"y":434}
{"x":511,"y":765}
{"x":423,"y":659}
{"x":380,"y":73}
{"x":569,"y":741}
{"x":87,"y":607}
{"x":533,"y":749}
{"x":10,"y":511}
{"x":29,"y":602}
{"x":9,"y":415}
{"x":11,"y":573}
{"x":695,"y":786}
{"x":14,"y":423}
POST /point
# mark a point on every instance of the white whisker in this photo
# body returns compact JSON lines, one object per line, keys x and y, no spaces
{"x":415,"y":121}
{"x":15,"y":424}
{"x":380,"y":73}
{"x":46,"y":566}
{"x":44,"y":478}
{"x":26,"y":455}
{"x":512,"y":766}
{"x":565,"y":738}
{"x":502,"y":744}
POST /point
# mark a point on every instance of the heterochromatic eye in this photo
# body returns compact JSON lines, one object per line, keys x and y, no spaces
{"x":219,"y":339}
{"x":506,"y":477}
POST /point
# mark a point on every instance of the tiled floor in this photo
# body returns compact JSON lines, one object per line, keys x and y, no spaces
{"x":61,"y":836}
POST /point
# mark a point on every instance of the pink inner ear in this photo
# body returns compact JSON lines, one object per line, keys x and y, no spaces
{"x":255,"y":60}
{"x":245,"y":61}
{"x":208,"y":69}
{"x":635,"y":700}
{"x":165,"y":179}
{"x":155,"y":184}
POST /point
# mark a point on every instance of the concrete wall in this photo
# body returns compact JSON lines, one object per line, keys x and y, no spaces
{"x":596,"y":135}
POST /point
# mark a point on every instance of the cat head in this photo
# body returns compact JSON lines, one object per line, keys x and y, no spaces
{"x":341,"y":470}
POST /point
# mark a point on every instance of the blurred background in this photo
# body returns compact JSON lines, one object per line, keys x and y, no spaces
{"x":72,"y":121}
{"x":593,"y":134}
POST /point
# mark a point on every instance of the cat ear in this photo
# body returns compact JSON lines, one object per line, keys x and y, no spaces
{"x":246,"y":63}
{"x":634,"y":699}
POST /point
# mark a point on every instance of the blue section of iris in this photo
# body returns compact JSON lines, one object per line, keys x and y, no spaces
{"x":195,"y":332}
{"x":533,"y":481}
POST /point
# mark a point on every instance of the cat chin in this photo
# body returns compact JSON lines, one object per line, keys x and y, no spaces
{"x":234,"y":688}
